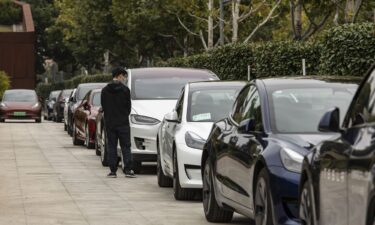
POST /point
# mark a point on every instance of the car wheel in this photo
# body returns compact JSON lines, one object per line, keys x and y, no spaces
{"x":87,"y":138}
{"x":38,"y":120}
{"x":97,"y":147}
{"x":263,"y":212}
{"x":163,"y":181}
{"x":65,"y":127}
{"x":103,"y":148}
{"x":76,"y":141}
{"x":179,"y":192}
{"x":213,"y":212}
{"x":305,"y":206}
{"x":137,"y":166}
{"x":2,"y":120}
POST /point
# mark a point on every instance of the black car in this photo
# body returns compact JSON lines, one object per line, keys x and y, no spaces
{"x":252,"y":160}
{"x":58,"y":107}
{"x":338,"y":176}
{"x":48,"y":105}
{"x":76,"y":100}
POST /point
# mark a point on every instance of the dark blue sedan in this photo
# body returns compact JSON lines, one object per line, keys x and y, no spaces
{"x":252,"y":160}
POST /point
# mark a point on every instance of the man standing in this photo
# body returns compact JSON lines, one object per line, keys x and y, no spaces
{"x":116,"y":104}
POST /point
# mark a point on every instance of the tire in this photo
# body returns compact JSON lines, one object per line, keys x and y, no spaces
{"x":38,"y":120}
{"x":59,"y":119}
{"x":87,"y":139}
{"x":76,"y":141}
{"x":213,"y":212}
{"x":163,"y":181}
{"x":97,"y":148}
{"x":371,"y":216}
{"x":65,"y":127}
{"x":104,"y":154}
{"x":305,"y":205}
{"x":2,"y":120}
{"x":262,"y":200}
{"x":179,"y":192}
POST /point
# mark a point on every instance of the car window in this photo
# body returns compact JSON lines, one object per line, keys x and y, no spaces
{"x":180,"y":104}
{"x":96,"y":101}
{"x":252,"y":110}
{"x":363,"y":107}
{"x":238,"y":107}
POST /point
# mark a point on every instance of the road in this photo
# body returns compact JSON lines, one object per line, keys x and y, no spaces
{"x":44,"y":179}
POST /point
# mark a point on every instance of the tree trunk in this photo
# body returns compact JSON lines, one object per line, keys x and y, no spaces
{"x":210,"y":42}
{"x":235,"y":18}
{"x":298,"y":20}
{"x":186,"y":46}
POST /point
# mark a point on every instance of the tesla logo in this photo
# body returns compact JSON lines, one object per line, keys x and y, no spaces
{"x":333,"y":175}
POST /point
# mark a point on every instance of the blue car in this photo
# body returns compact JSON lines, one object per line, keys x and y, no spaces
{"x":252,"y":160}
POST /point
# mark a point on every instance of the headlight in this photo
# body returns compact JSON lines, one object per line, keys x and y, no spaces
{"x":292,"y":160}
{"x":35,"y":106}
{"x":143,"y":120}
{"x":2,"y":105}
{"x":193,"y":140}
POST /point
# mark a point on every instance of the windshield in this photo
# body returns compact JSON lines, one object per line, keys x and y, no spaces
{"x":299,"y":110}
{"x":162,"y":87}
{"x":96,"y":99}
{"x":20,"y":96}
{"x":211,"y":105}
{"x":83,"y":90}
{"x":54,"y":94}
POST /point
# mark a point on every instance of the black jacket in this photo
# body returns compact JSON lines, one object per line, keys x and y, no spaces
{"x":116,"y":104}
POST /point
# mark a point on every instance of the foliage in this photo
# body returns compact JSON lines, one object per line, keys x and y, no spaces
{"x":10,"y":13}
{"x":43,"y":90}
{"x":4,"y":83}
{"x":348,"y":49}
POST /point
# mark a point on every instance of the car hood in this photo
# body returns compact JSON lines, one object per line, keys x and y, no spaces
{"x":306,"y":141}
{"x":199,"y":128}
{"x":153,"y":108}
{"x":19,"y":105}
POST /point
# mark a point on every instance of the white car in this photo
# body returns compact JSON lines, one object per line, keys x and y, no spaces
{"x":66,"y":108}
{"x":154,"y":93}
{"x":184,"y":132}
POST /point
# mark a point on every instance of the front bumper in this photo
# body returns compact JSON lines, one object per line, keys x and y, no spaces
{"x":143,"y":141}
{"x":29,"y":114}
{"x":284,"y":190}
{"x":189,"y":166}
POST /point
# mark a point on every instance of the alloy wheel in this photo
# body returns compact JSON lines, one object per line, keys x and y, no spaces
{"x":261,"y":201}
{"x":207,"y":188}
{"x":305,"y":209}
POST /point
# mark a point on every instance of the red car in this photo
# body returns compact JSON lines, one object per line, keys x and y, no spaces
{"x":20,"y":104}
{"x":84,"y":126}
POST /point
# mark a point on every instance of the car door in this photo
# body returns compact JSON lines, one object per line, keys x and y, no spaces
{"x":169,"y":131}
{"x":362,"y":158}
{"x":242,"y":149}
{"x":80,"y":115}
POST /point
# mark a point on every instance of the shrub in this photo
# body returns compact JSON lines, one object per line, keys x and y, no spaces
{"x":348,"y":49}
{"x":4,"y":83}
{"x":10,"y":13}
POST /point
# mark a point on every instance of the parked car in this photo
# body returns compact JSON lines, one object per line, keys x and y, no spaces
{"x":84,"y":122}
{"x":252,"y":160}
{"x":154,"y":93}
{"x":20,"y":104}
{"x":48,"y":105}
{"x":66,"y":109}
{"x":58,"y":107}
{"x":76,"y":100}
{"x":338,"y":176}
{"x":184,"y":131}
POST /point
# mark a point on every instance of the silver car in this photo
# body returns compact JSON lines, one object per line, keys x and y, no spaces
{"x":154,"y":93}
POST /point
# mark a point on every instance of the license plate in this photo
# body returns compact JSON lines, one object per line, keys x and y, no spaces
{"x":19,"y":114}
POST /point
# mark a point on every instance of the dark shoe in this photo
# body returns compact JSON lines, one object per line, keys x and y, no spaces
{"x":130,"y":174}
{"x":112,"y":175}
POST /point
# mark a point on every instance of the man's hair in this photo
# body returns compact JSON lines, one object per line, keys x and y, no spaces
{"x":118,"y":71}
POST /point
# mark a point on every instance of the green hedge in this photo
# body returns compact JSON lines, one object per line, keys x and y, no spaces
{"x":4,"y":83}
{"x":43,"y":90}
{"x":347,"y":50}
{"x":10,"y":13}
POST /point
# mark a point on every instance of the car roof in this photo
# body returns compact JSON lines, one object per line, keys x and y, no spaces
{"x":204,"y":84}
{"x":16,"y":90}
{"x":175,"y":71}
{"x":318,"y":80}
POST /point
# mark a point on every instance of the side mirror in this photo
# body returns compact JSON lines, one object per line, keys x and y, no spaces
{"x":172,"y":117}
{"x":247,"y":126}
{"x":330,"y":121}
{"x":54,"y":99}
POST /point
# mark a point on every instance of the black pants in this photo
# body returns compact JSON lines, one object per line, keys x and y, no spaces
{"x":114,"y":135}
